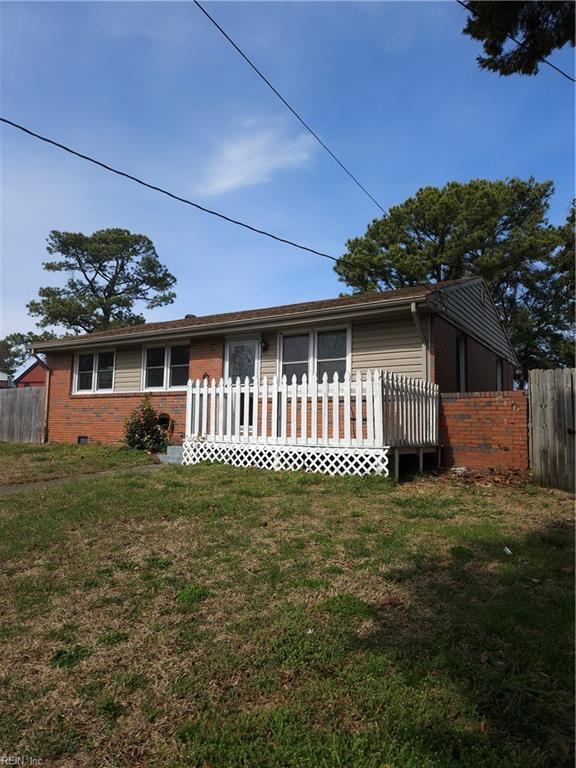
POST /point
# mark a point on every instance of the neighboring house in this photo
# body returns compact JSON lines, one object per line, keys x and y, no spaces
{"x":448,"y":333}
{"x":5,"y":380}
{"x":33,"y":375}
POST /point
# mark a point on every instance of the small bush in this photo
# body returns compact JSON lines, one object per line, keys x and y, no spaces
{"x":142,"y":430}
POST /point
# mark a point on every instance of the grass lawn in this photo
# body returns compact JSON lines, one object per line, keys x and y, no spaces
{"x":219,"y":617}
{"x":28,"y":462}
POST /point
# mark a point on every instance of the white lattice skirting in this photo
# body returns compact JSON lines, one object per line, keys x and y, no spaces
{"x":330,"y":460}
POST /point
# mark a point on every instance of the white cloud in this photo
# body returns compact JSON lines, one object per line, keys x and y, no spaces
{"x":254,"y":156}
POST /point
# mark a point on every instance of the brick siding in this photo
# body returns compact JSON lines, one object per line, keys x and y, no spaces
{"x":480,"y":365}
{"x":485,"y":430}
{"x":101,"y":417}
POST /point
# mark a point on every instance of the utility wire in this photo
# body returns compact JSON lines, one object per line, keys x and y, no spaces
{"x":164,"y":191}
{"x":521,"y":43}
{"x":289,"y":106}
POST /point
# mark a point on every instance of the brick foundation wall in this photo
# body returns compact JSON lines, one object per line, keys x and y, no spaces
{"x":485,"y":430}
{"x":480,"y":367}
{"x":101,"y":417}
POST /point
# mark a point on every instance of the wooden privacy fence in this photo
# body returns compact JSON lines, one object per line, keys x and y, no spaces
{"x":22,"y":414}
{"x":552,"y":456}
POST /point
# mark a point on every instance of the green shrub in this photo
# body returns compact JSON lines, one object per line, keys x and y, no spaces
{"x":142,"y":430}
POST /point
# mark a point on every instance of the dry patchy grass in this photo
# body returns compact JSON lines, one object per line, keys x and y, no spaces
{"x":27,"y":463}
{"x":214,"y":616}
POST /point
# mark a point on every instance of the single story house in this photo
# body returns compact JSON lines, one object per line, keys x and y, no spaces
{"x":33,"y":374}
{"x":448,"y":333}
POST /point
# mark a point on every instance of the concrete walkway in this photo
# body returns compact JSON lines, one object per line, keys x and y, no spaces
{"x":7,"y":490}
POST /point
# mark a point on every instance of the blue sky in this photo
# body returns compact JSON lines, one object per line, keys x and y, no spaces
{"x":154,"y":89}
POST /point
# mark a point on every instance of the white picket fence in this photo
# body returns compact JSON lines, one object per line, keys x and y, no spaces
{"x":335,"y":426}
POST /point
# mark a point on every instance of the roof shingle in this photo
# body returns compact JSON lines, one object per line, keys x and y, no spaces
{"x":205,"y":321}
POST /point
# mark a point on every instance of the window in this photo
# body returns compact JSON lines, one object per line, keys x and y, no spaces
{"x":155,"y":358}
{"x":166,"y":367}
{"x":295,"y":354}
{"x":85,"y":373}
{"x":94,"y":371}
{"x":105,"y":371}
{"x":319,"y":352}
{"x":179,"y":358}
{"x":331,"y":354}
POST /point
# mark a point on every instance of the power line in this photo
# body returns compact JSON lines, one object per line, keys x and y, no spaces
{"x":289,"y":106}
{"x":164,"y":191}
{"x":521,"y":43}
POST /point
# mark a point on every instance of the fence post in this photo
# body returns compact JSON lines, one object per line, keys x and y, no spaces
{"x":378,"y":422}
{"x":314,"y":409}
{"x":335,"y":409}
{"x":220,"y":398}
{"x":358,"y":400}
{"x":304,"y":411}
{"x":264,"y":410}
{"x":324,"y":394}
{"x":188,"y":425}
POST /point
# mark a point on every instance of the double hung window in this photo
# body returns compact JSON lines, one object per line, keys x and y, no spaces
{"x":94,"y":372}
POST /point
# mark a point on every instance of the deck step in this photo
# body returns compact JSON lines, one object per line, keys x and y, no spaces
{"x":173,"y":455}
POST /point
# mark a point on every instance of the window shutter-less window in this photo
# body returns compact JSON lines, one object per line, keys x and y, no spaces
{"x":295,"y":356}
{"x":179,"y":357}
{"x":155,"y":367}
{"x":331,"y":354}
{"x":105,"y":372}
{"x":85,"y":372}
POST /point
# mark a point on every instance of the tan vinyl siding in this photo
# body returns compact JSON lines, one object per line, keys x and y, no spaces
{"x":127,"y":377}
{"x":467,"y":308}
{"x":389,"y":344}
{"x":268,"y":360}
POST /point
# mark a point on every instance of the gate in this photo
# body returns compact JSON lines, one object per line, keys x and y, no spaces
{"x":552,"y":427}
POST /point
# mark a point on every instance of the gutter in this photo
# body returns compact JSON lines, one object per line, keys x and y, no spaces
{"x":210,"y":329}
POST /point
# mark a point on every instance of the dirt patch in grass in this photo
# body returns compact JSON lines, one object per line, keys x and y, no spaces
{"x":214,"y":616}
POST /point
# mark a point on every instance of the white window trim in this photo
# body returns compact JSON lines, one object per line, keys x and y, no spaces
{"x":167,"y":361}
{"x":93,"y":390}
{"x":313,"y":346}
{"x":256,"y":340}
